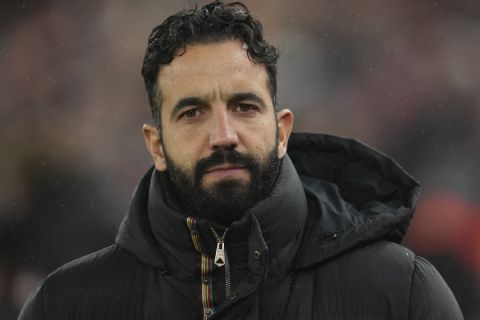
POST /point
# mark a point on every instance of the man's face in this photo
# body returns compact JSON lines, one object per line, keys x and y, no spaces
{"x":220,"y":143}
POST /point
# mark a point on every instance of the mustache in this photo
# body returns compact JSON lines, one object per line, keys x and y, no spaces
{"x":222,"y":156}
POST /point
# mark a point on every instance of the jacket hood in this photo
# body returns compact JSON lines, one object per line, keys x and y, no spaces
{"x":357,"y":195}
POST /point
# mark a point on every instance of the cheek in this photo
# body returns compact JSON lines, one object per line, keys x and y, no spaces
{"x":264,"y":126}
{"x":262,"y":136}
{"x":183,"y":150}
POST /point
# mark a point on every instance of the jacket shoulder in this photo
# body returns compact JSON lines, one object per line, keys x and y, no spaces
{"x":383,"y":264}
{"x":104,"y":277}
{"x":382,"y":278}
{"x":386,"y":254}
{"x":98,"y":267}
{"x":430,"y":296}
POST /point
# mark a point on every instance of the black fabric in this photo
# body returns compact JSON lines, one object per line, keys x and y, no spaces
{"x":323,"y":245}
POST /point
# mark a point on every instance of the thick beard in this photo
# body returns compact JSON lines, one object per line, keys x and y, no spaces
{"x":227,"y":200}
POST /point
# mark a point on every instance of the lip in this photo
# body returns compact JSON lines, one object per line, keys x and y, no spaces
{"x":224,"y":167}
{"x":226,"y":171}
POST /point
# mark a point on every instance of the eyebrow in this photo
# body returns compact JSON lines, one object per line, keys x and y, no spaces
{"x":198,"y":101}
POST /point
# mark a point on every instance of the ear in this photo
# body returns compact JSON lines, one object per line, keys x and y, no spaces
{"x":154,"y":146}
{"x":285,"y":125}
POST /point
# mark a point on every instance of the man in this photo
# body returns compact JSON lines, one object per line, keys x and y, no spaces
{"x":227,"y":225}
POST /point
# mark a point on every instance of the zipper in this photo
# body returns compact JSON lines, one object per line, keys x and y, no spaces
{"x":206,"y":267}
{"x":221,"y":259}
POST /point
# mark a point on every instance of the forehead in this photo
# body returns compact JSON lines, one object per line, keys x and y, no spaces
{"x":214,"y":68}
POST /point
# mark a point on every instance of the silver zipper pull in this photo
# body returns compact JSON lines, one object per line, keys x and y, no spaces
{"x":220,"y":254}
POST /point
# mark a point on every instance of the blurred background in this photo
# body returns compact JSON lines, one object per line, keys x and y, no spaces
{"x":400,"y":75}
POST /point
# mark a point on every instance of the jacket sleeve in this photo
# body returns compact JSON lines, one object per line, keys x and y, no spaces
{"x":33,"y":307}
{"x":430,"y":296}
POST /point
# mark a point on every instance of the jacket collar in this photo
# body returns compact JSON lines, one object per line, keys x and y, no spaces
{"x":155,"y":229}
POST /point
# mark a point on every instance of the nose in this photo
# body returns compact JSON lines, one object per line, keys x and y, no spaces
{"x":222,"y":134}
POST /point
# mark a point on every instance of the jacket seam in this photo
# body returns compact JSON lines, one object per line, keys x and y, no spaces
{"x":411,"y":287}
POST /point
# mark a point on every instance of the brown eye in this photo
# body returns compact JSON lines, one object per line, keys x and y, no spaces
{"x":243,"y":107}
{"x":189,"y":114}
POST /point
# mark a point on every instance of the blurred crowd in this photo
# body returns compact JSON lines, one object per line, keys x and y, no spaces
{"x":400,"y":75}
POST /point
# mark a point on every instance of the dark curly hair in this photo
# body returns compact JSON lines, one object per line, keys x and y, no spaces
{"x":212,"y":23}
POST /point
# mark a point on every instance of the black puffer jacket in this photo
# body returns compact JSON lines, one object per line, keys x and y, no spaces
{"x":323,"y":245}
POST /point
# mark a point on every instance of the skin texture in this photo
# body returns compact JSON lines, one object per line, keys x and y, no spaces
{"x":215,"y":75}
